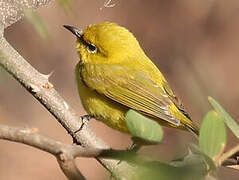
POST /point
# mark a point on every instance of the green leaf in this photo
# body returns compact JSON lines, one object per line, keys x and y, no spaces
{"x":212,"y":138}
{"x":156,"y":170}
{"x":37,"y":23}
{"x":143,"y":127}
{"x":196,"y":150}
{"x":230,"y":122}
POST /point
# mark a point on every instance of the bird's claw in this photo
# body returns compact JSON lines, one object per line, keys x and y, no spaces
{"x":84,"y":119}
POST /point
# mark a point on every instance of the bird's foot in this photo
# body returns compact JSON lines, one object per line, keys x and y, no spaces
{"x":85,"y":119}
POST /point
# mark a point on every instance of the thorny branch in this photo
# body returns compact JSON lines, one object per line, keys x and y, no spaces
{"x":61,"y":150}
{"x":65,"y":153}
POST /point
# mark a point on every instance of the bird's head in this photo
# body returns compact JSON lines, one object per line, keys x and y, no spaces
{"x":105,"y":43}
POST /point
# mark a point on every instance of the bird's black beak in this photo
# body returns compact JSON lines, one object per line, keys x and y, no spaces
{"x":77,"y":32}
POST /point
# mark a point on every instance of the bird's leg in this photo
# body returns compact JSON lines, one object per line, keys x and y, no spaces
{"x":136,"y":145}
{"x":85,"y":119}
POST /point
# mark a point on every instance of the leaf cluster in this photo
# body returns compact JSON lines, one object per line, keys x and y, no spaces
{"x":203,"y":159}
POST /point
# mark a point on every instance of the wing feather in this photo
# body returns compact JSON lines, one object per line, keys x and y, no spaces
{"x":174,"y":99}
{"x":130,"y":88}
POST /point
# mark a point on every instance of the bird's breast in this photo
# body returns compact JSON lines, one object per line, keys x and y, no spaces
{"x":101,"y":107}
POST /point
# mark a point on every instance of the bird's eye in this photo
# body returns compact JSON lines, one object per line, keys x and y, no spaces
{"x":91,"y":48}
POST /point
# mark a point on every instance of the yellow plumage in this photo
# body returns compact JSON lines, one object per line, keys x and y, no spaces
{"x":114,"y":75}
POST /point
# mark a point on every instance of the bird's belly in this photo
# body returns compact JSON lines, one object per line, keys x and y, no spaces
{"x":103,"y":108}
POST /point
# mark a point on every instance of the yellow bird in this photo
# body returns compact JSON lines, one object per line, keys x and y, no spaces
{"x":115,"y":75}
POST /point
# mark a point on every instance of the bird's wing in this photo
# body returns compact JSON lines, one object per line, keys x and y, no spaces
{"x":130,"y":88}
{"x":174,"y":99}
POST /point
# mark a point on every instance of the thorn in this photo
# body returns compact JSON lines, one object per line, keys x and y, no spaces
{"x":47,"y":76}
{"x":48,"y":85}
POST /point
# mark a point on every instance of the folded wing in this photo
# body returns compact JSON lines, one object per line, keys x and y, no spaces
{"x":130,"y":88}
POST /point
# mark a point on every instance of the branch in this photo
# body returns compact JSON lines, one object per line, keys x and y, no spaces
{"x":63,"y":152}
{"x":32,"y":138}
{"x":230,"y":158}
{"x":13,"y":10}
{"x":40,"y":87}
{"x":66,"y":154}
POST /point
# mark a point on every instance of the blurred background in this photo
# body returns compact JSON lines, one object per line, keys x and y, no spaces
{"x":194,"y":43}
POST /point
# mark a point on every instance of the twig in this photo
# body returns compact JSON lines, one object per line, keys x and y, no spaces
{"x":63,"y":152}
{"x":32,"y":138}
{"x":228,"y":155}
